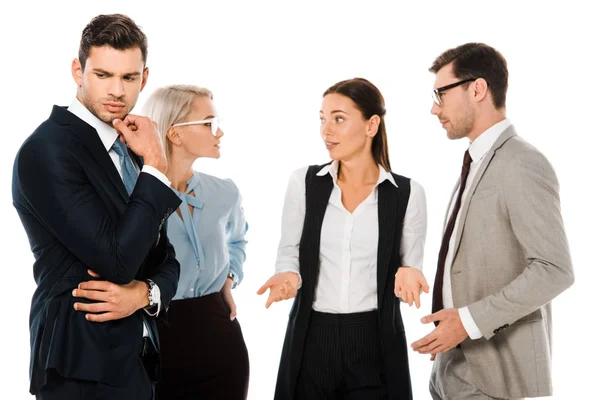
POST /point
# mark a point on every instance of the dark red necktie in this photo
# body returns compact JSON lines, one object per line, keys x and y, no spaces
{"x":439,"y":275}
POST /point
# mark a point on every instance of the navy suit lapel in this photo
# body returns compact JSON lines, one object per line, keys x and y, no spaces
{"x":90,"y":139}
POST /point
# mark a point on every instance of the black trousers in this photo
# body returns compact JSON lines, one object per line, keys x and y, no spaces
{"x":203,"y":353}
{"x":342,"y":358}
{"x":59,"y":388}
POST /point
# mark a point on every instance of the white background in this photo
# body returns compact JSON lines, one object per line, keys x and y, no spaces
{"x":268,"y":65}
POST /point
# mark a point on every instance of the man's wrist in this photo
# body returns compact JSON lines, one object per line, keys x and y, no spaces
{"x":144,"y":298}
{"x":159,"y":163}
{"x":468,"y":323}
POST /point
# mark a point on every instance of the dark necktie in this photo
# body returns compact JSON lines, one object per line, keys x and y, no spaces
{"x":439,"y":275}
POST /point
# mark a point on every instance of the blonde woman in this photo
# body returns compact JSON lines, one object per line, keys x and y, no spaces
{"x":202,"y":348}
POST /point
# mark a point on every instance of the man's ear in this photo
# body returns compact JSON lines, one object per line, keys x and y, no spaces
{"x":77,"y":72}
{"x":480,"y":89}
{"x":144,"y":78}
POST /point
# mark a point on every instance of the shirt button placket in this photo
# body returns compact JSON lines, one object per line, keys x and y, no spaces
{"x":346,"y":263}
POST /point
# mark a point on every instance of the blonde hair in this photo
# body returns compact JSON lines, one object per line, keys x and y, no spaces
{"x":171,"y":105}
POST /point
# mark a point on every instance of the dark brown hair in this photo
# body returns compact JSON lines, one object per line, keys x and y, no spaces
{"x":115,"y":30}
{"x":369,"y":101}
{"x":477,"y":60}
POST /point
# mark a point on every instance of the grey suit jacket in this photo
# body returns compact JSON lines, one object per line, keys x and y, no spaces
{"x":510,"y":260}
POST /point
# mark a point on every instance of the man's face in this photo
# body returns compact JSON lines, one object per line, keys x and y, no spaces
{"x":456,"y":113}
{"x":111,"y":81}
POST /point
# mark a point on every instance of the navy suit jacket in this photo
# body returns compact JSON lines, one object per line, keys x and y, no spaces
{"x":78,"y":216}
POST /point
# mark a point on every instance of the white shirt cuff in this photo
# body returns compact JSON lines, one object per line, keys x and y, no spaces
{"x":157,"y":174}
{"x":469,"y":323}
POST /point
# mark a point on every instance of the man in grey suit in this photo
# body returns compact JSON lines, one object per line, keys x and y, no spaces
{"x":504,"y":254}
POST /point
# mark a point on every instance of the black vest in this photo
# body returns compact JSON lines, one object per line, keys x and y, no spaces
{"x":392,"y":204}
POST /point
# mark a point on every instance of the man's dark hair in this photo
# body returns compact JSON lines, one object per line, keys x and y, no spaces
{"x":115,"y":30}
{"x":477,"y":60}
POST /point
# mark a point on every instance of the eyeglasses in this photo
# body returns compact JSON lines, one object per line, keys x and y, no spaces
{"x":213,"y":122}
{"x":436,"y":92}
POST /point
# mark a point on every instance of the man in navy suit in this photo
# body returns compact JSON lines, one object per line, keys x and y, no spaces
{"x":90,"y":188}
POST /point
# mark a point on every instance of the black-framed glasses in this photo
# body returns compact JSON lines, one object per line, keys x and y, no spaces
{"x":436,"y":92}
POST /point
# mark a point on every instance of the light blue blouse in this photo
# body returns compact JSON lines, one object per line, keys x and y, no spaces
{"x":209,"y":243}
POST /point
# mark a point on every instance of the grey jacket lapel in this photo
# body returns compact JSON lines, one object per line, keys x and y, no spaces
{"x":507,"y":134}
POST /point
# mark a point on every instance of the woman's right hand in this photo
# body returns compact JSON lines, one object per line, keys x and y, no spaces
{"x":282,"y":286}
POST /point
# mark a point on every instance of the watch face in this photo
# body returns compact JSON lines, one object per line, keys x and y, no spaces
{"x":154,"y":293}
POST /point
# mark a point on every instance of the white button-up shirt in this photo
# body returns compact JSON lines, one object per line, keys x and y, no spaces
{"x":347,"y":281}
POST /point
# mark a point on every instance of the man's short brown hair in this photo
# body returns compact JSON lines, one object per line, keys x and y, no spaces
{"x":477,"y":60}
{"x":115,"y":30}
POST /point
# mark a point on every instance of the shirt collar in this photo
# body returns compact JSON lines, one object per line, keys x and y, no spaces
{"x":333,"y":168}
{"x":107,"y":134}
{"x":193,"y":183}
{"x":484,"y":142}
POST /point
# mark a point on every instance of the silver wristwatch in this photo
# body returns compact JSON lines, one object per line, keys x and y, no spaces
{"x":153,"y":293}
{"x":232,"y":276}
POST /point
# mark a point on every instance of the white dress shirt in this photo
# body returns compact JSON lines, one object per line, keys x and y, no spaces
{"x":347,"y":281}
{"x":478,"y":150}
{"x":108,"y":135}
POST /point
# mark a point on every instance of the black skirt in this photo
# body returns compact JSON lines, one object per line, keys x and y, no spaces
{"x":203,"y":353}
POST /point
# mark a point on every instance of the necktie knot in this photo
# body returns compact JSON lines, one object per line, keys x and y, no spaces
{"x":120,"y":148}
{"x":467,"y":159}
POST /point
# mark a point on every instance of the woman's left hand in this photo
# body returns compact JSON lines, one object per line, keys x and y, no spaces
{"x":228,"y":297}
{"x":408,"y":284}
